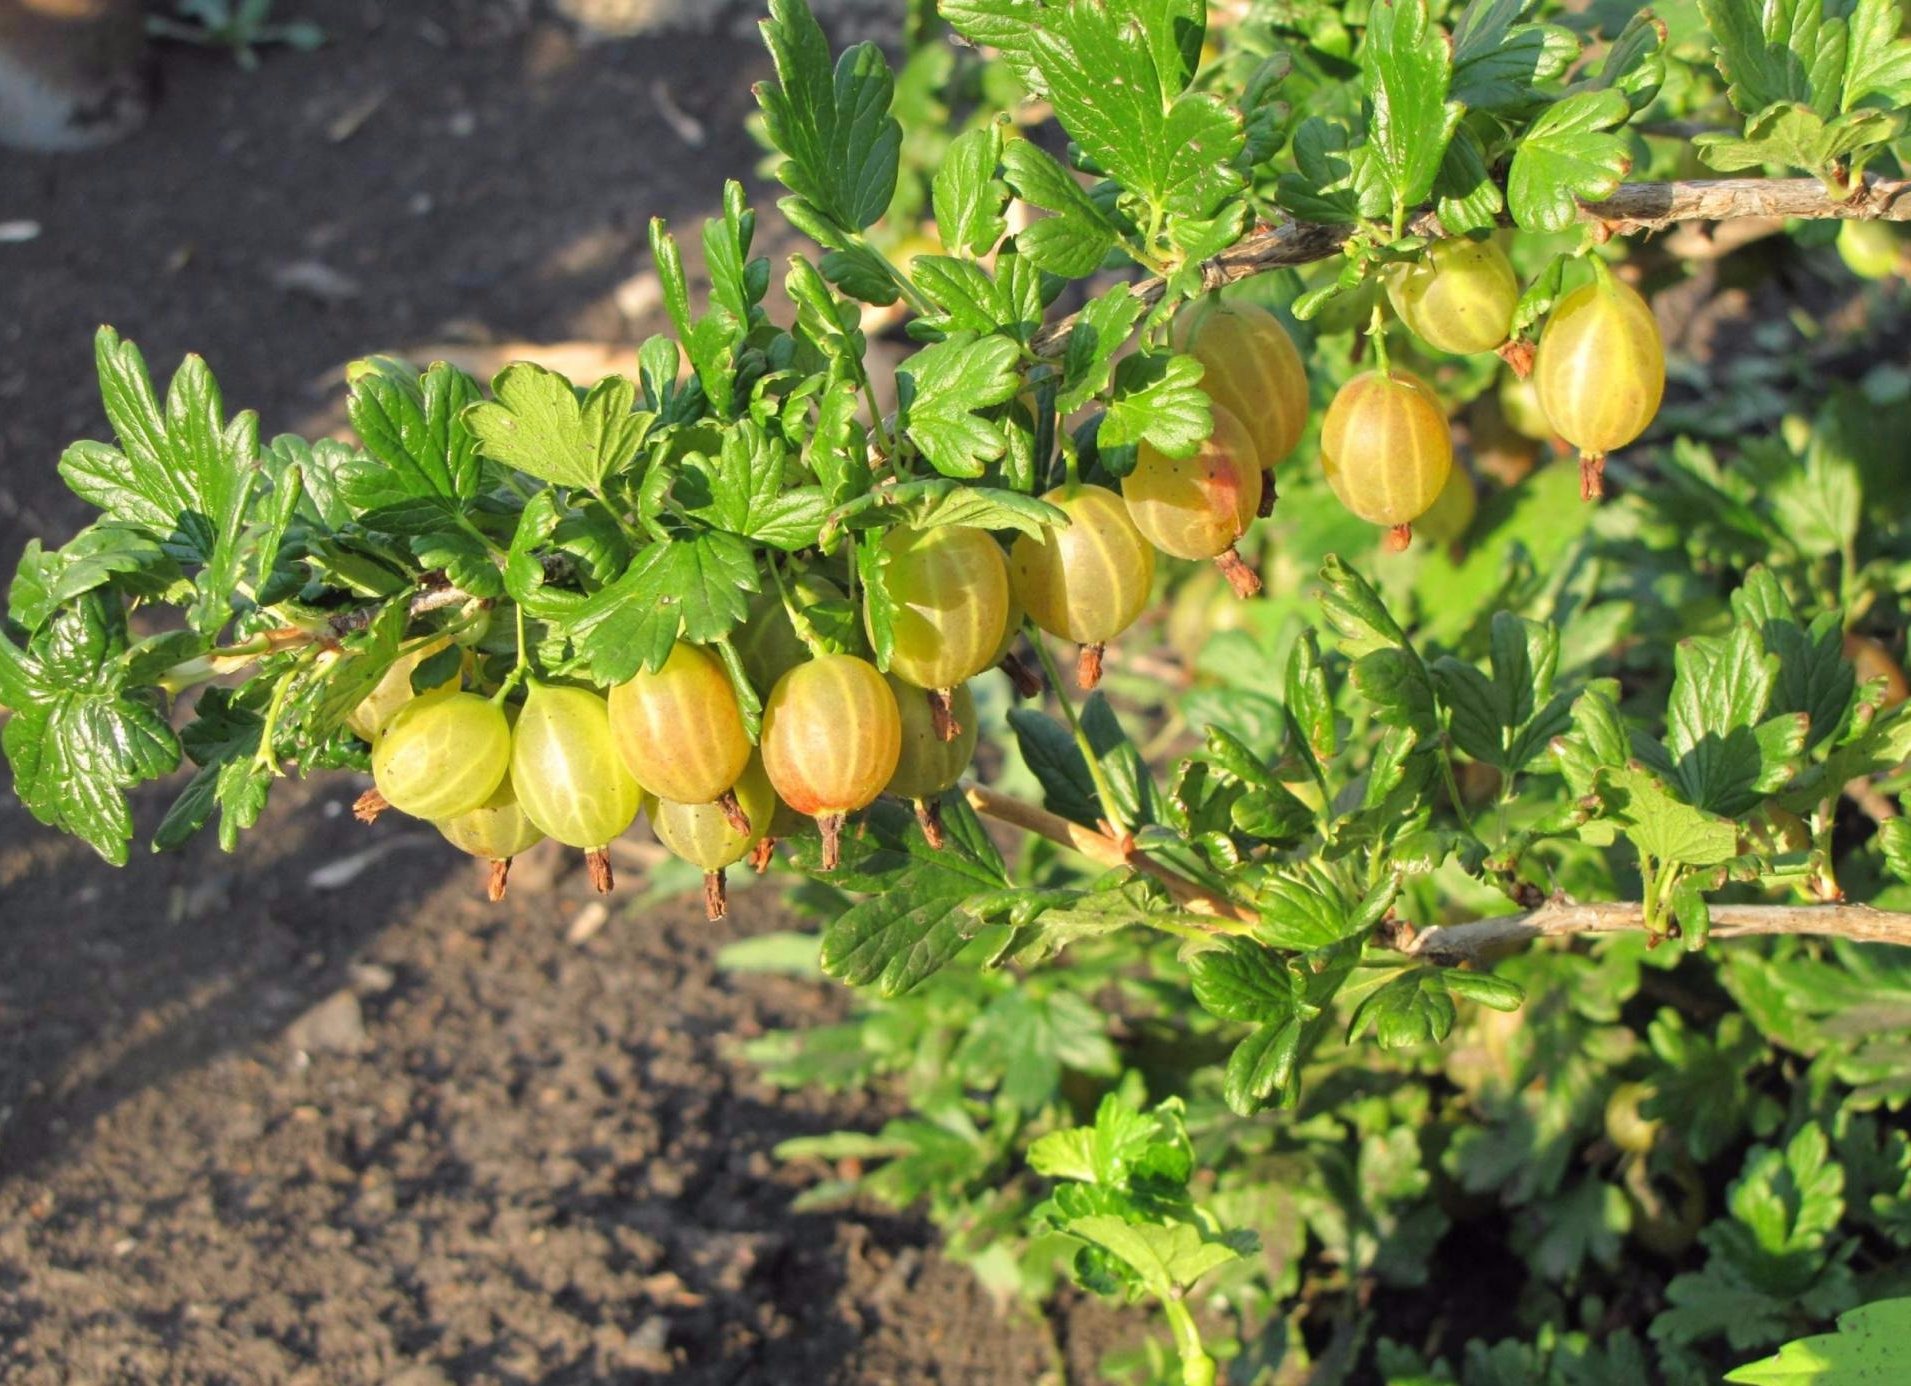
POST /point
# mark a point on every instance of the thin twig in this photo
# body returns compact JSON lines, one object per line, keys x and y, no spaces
{"x":1485,"y":939}
{"x":1103,"y":850}
{"x":1634,"y":208}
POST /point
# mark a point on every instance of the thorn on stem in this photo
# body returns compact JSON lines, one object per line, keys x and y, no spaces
{"x":598,"y":861}
{"x":831,"y":826}
{"x":942,"y":715}
{"x":1398,"y":538}
{"x":733,"y":811}
{"x":500,"y":879}
{"x":367,"y":806}
{"x":929,"y":815}
{"x":1088,"y":666}
{"x":1592,"y":475}
{"x":716,"y":898}
{"x":1026,"y":682}
{"x":1243,"y":579}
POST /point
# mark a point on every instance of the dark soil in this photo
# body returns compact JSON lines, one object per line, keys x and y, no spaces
{"x":260,"y":1128}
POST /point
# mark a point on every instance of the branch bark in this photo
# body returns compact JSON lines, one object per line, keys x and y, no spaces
{"x":1486,"y":939}
{"x":1633,"y":209}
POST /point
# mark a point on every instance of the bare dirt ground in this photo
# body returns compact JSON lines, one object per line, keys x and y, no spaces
{"x":257,"y":1130}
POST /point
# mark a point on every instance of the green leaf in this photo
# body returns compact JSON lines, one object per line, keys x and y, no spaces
{"x":464,"y":558}
{"x":1794,"y":135}
{"x":988,"y":507}
{"x":968,"y":198}
{"x":1304,"y":914}
{"x":1077,"y":237}
{"x":1118,"y":82}
{"x":538,"y":425}
{"x":697,"y":583}
{"x":1466,"y":197}
{"x":743,"y":492}
{"x":1157,"y":399}
{"x":919,"y":912}
{"x":1568,"y":156}
{"x":942,"y":390}
{"x":841,"y":144}
{"x":1167,"y":1259}
{"x":1246,"y":981}
{"x":1332,"y":180}
{"x":1008,"y":26}
{"x":1406,"y":70}
{"x":1497,"y":61}
{"x":1262,"y":1066}
{"x":423,"y":466}
{"x":1414,"y":1008}
{"x":1720,"y":692}
{"x":1056,"y":762}
{"x":1872,"y":1345}
{"x":1699,"y":1085}
{"x":223,"y":740}
{"x":1664,"y":828}
{"x":1122,"y":1147}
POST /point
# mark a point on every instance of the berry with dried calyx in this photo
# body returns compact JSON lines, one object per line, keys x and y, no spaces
{"x":1386,"y":449}
{"x":1088,"y":582}
{"x":831,"y":738}
{"x":1452,"y":511}
{"x":442,"y":755}
{"x":1196,"y":507}
{"x":678,"y":729}
{"x":1250,"y":368}
{"x":950,"y":586}
{"x":1456,"y":296}
{"x":705,"y":836}
{"x":1600,"y":372}
{"x":927,"y":766}
{"x":393,"y":691}
{"x":568,"y":776}
{"x":495,"y":831}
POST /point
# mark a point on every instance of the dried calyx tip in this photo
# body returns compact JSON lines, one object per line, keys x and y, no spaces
{"x":1398,"y":538}
{"x":367,"y":806}
{"x":1026,"y":682}
{"x":733,"y":811}
{"x":716,"y":899}
{"x":1592,"y":475}
{"x":1088,"y":665}
{"x":762,"y":855}
{"x":942,"y":715}
{"x":500,"y":879}
{"x":831,"y":827}
{"x":1243,"y":579}
{"x":1517,"y":352}
{"x":929,"y":815}
{"x":598,"y":861}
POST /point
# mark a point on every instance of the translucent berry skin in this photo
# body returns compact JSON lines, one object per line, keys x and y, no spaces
{"x":1385,"y":447}
{"x":831,"y":735}
{"x":1196,"y":507}
{"x":1251,"y":369}
{"x":1458,"y":296}
{"x":927,"y":764}
{"x":767,"y":642}
{"x":1452,"y":511}
{"x":1088,"y":582}
{"x":442,"y":755}
{"x":393,"y":691}
{"x":496,"y":830}
{"x":951,"y":587}
{"x":1870,"y":249}
{"x":1011,"y":628}
{"x":701,"y":833}
{"x":1519,"y":403}
{"x":679,"y":730}
{"x":565,"y":768}
{"x":1600,"y":371}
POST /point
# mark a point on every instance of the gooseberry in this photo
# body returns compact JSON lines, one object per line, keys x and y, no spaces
{"x":1600,"y":371}
{"x":1250,"y":369}
{"x":951,"y":591}
{"x":767,"y":641}
{"x":831,"y":738}
{"x":1871,"y":660}
{"x":1196,"y":507}
{"x":568,"y":775}
{"x":442,"y":755}
{"x":1452,"y":511}
{"x":1870,"y":249}
{"x":1089,"y":581}
{"x":1386,"y":449}
{"x":704,"y":835}
{"x":678,"y":729}
{"x":495,"y":831}
{"x":1458,"y":295}
{"x":393,"y":690}
{"x":928,"y":766}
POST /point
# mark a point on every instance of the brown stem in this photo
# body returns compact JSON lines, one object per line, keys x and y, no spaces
{"x":1243,"y":579}
{"x":597,"y":861}
{"x":929,"y":815}
{"x":1633,"y":208}
{"x":1265,"y":505}
{"x":1592,"y":475}
{"x":499,"y":881}
{"x":716,"y":898}
{"x":1088,"y":666}
{"x":1106,"y":850}
{"x":1026,"y":682}
{"x":733,"y":811}
{"x":367,"y":806}
{"x":942,"y":715}
{"x":762,"y":855}
{"x":1398,"y":538}
{"x":1485,"y":939}
{"x":831,"y":827}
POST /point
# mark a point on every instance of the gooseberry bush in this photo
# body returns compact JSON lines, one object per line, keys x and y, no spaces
{"x":1441,"y":929}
